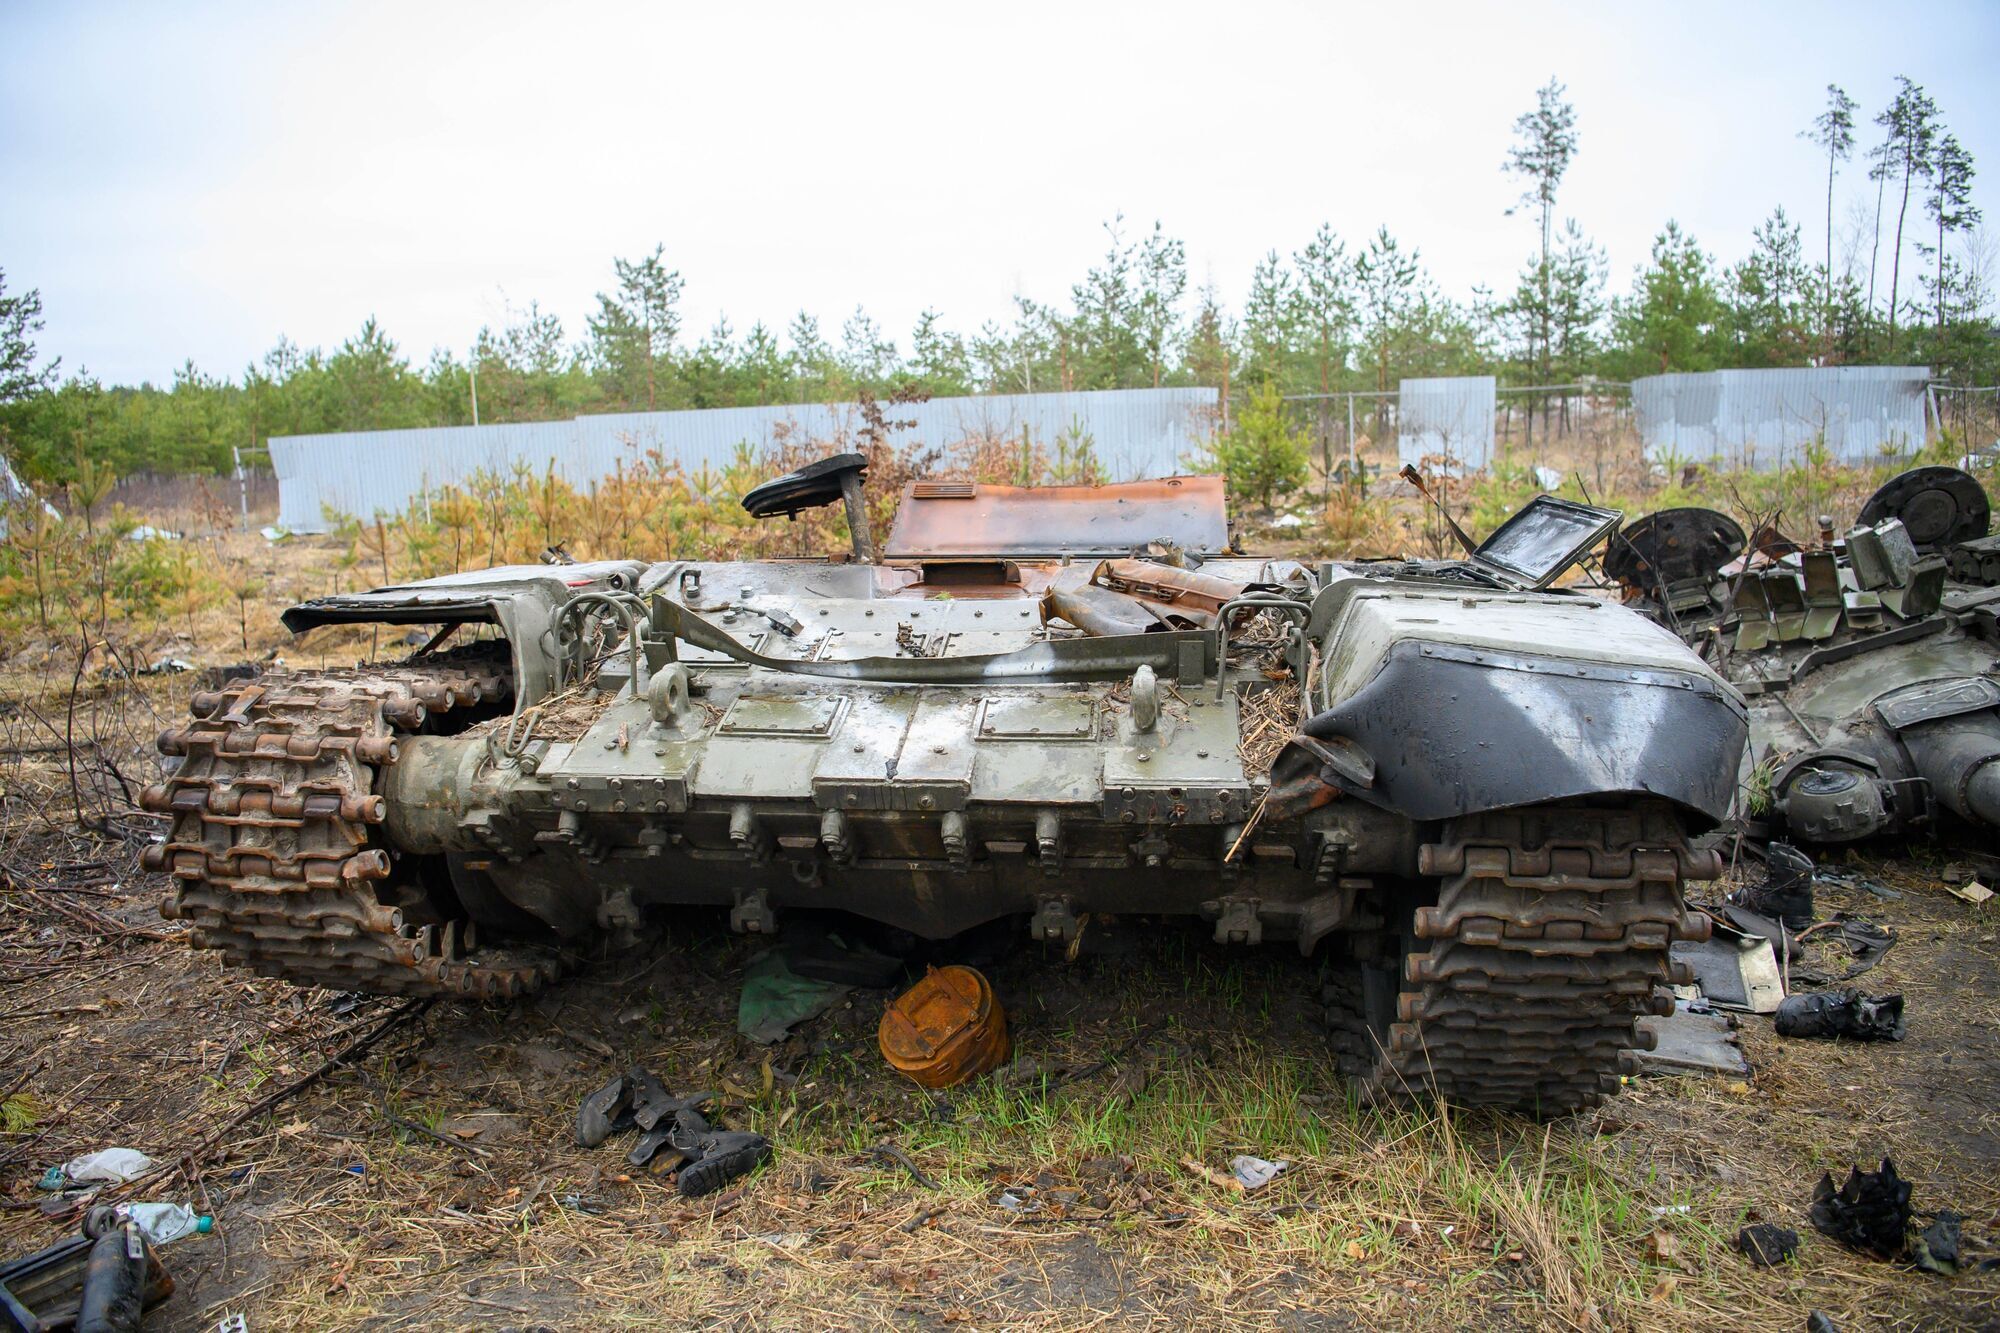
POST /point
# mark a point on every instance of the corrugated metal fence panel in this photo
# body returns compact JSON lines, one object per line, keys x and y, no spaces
{"x":1765,"y":419}
{"x":1133,"y":433}
{"x":1451,"y":417}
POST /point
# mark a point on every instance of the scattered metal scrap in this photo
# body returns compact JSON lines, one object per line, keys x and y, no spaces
{"x":1735,"y":969}
{"x":1694,"y":1039}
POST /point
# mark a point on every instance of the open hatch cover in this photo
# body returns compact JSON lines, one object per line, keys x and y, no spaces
{"x":1544,"y":538}
{"x":961,"y":520}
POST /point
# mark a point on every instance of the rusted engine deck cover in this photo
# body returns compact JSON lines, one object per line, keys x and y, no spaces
{"x":968,"y":520}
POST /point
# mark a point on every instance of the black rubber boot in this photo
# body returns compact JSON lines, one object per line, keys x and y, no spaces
{"x":1841,"y":1013}
{"x":722,"y":1158}
{"x":1786,"y":895}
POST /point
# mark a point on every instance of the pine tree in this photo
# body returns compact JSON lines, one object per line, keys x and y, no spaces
{"x":868,"y":358}
{"x":1546,"y":142}
{"x":632,"y":334}
{"x":811,"y":356}
{"x":939,"y":362}
{"x":20,"y":319}
{"x":1909,"y":147}
{"x":1325,"y":302}
{"x":1389,"y":292}
{"x":1670,"y":322}
{"x":1103,"y":338}
{"x":1162,"y":284}
{"x":1208,"y":344}
{"x":1950,"y":204}
{"x":1264,"y":456}
{"x":1269,"y":322}
{"x":1833,"y":130}
{"x":1768,"y":296}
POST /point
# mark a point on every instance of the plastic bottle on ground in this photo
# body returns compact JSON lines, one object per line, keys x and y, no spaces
{"x":162,"y":1222}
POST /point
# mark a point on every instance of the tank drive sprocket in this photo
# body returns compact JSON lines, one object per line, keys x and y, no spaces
{"x":273,"y":839}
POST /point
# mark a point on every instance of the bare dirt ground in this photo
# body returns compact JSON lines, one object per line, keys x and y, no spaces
{"x":433,"y":1182}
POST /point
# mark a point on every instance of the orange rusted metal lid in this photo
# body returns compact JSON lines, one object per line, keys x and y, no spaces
{"x":945,"y":1029}
{"x":950,"y":520}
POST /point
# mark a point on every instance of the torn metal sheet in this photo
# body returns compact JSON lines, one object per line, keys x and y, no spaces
{"x":1101,"y":611}
{"x":1171,"y":592}
{"x":1735,"y":969}
{"x":1691,"y":1042}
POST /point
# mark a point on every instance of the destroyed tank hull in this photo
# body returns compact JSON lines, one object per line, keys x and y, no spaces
{"x":1871,"y":663}
{"x":1475,"y":799}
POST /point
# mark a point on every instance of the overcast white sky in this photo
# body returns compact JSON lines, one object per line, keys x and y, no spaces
{"x":195,"y":180}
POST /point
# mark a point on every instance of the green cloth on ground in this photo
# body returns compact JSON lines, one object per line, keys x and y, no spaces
{"x":776,"y":999}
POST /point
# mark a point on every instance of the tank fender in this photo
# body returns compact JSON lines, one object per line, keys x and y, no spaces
{"x":1454,"y":730}
{"x":521,"y":599}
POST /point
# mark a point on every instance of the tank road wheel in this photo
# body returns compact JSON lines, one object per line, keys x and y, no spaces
{"x":1523,"y":984}
{"x":273,"y":840}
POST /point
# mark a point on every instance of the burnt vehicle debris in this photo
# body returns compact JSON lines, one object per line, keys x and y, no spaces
{"x":1871,"y":660}
{"x":1474,"y":796}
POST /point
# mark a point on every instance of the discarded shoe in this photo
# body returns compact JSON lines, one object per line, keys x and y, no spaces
{"x":599,"y":1112}
{"x":1786,"y":895}
{"x":1841,"y":1013}
{"x":1871,"y":1212}
{"x":649,"y":1145}
{"x":662,"y":1107}
{"x":673,"y":1132}
{"x":647,"y":1091}
{"x":1764,"y":1244}
{"x":720,"y":1158}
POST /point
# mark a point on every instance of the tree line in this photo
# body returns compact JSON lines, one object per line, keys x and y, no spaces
{"x":1335,"y":314}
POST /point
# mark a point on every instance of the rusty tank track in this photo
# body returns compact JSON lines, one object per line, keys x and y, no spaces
{"x":272,"y":836}
{"x":1523,"y":985}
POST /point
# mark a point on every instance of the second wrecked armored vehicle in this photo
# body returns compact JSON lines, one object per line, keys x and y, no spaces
{"x":1471,"y":794}
{"x":1871,"y":662}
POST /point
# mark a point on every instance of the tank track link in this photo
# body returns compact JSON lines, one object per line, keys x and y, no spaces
{"x":1523,"y":985}
{"x":273,"y":810}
